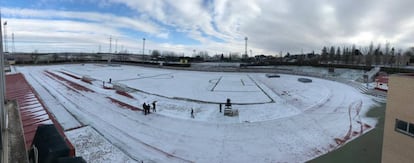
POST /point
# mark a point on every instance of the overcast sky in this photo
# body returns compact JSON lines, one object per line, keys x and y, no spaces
{"x":216,"y":26}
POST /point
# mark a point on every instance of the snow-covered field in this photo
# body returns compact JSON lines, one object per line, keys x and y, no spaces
{"x":280,"y":119}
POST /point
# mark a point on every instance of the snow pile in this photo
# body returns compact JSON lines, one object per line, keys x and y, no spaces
{"x":94,"y":148}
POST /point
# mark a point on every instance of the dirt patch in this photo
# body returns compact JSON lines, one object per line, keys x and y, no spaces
{"x":86,"y":81}
{"x":73,"y":76}
{"x":124,"y":105}
{"x":72,"y":84}
{"x":125,"y":94}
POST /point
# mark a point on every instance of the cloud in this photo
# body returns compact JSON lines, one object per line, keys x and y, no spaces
{"x":104,"y":19}
{"x":70,"y":29}
{"x":221,"y":25}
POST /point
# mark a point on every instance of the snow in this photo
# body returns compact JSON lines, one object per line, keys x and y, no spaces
{"x":280,"y":119}
{"x":94,"y":148}
{"x":56,"y":108}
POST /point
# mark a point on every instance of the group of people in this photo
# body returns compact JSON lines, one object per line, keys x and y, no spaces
{"x":147,"y":107}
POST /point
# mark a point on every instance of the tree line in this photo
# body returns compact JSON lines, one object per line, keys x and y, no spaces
{"x":369,"y":56}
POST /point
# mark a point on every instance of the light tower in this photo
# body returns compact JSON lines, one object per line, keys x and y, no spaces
{"x":110,"y":50}
{"x":13,"y":47}
{"x":245,"y":47}
{"x":143,"y":46}
{"x":110,"y":44}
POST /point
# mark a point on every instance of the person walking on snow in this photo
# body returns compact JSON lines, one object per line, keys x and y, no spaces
{"x":192,"y":113}
{"x":153,"y":106}
{"x":220,"y":107}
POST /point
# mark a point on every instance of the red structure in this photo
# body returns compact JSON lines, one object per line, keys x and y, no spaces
{"x":381,"y":83}
{"x":32,"y":111}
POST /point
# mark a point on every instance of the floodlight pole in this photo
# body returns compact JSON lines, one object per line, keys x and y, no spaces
{"x":110,"y":44}
{"x":5,"y":37}
{"x":13,"y":47}
{"x":245,"y":47}
{"x":143,"y":48}
{"x":110,"y":50}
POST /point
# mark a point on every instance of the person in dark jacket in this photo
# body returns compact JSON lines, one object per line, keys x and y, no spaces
{"x":144,"y":106}
{"x":148,"y":108}
{"x":154,"y":107}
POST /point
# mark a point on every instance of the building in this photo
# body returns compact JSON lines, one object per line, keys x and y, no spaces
{"x":398,"y":144}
